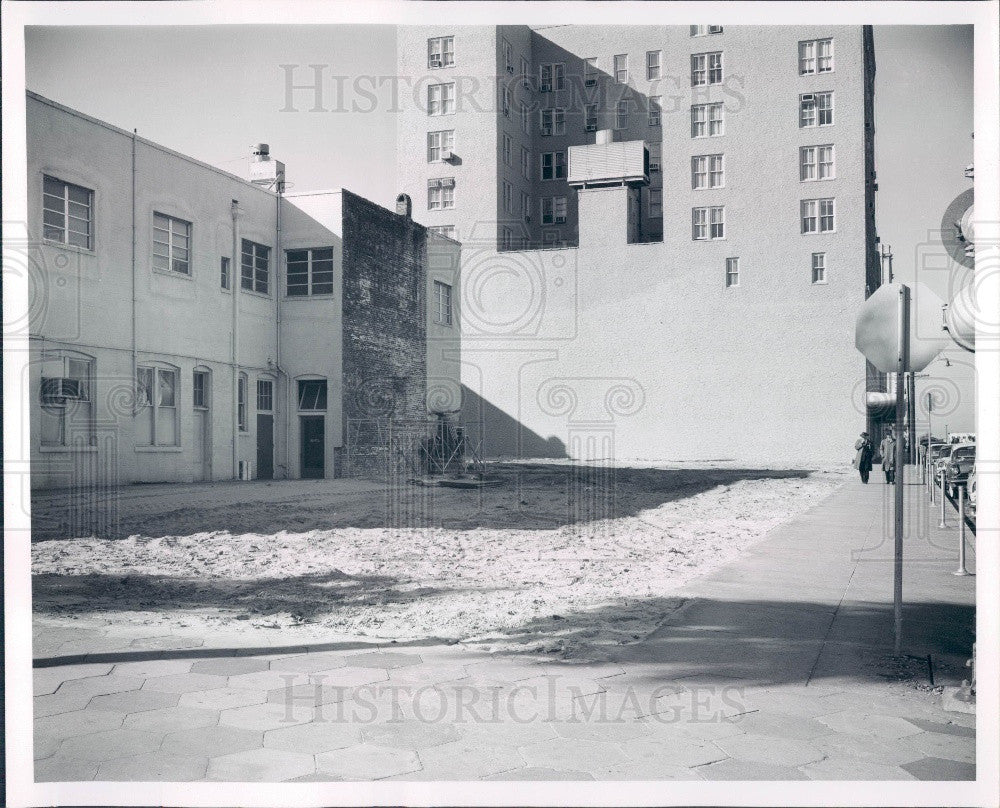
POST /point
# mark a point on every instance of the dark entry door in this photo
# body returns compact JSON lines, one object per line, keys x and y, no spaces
{"x":311,"y":446}
{"x":265,"y":447}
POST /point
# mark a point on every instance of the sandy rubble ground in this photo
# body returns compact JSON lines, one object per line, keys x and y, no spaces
{"x":552,"y":557}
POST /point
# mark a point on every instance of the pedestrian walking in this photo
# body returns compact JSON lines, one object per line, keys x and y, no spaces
{"x":887,"y":448}
{"x":864,"y":449}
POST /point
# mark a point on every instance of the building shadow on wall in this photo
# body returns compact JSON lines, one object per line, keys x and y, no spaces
{"x":503,"y":435}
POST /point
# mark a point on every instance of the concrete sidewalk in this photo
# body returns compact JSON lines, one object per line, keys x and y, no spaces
{"x":775,"y":667}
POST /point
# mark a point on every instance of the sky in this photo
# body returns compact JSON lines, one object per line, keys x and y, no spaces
{"x":213,"y":91}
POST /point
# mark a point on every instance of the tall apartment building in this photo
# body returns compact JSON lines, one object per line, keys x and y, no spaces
{"x":735,"y":257}
{"x":188,"y":324}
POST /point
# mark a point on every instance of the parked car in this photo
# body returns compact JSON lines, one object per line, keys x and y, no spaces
{"x":960,"y":463}
{"x":962,"y":437}
{"x":937,"y":449}
{"x":940,"y":459}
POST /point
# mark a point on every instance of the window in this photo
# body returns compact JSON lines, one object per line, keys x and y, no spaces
{"x":816,"y":109}
{"x":309,"y":272}
{"x":551,"y":77}
{"x":508,"y":197}
{"x":818,"y":216}
{"x":525,"y":163}
{"x":732,"y":272}
{"x":525,"y":72}
{"x":706,"y":68}
{"x":199,"y":390}
{"x":705,"y":30}
{"x":707,"y":171}
{"x":525,"y":205}
{"x":554,"y":165}
{"x":442,"y":303}
{"x":707,"y":120}
{"x":553,"y":122}
{"x":156,"y":420}
{"x":312,"y":394}
{"x":441,"y":51}
{"x":447,"y":230}
{"x":171,"y":244}
{"x":708,"y":224}
{"x":816,"y":163}
{"x":815,"y":56}
{"x":590,"y":71}
{"x":67,"y":213}
{"x":508,"y":55}
{"x":590,"y":118}
{"x":241,"y":402}
{"x":553,"y":210}
{"x":506,"y":238}
{"x":655,"y":152}
{"x":508,"y":100}
{"x":255,"y":267}
{"x":653,"y":64}
{"x":525,"y":118}
{"x":621,"y":68}
{"x":508,"y":149}
{"x":441,"y":99}
{"x":655,"y":203}
{"x":265,"y":395}
{"x":438,"y":142}
{"x":441,"y":193}
{"x":67,"y":400}
{"x":621,"y":114}
{"x":655,"y":105}
{"x":225,"y":278}
{"x":819,"y":267}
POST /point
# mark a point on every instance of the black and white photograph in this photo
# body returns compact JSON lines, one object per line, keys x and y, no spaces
{"x":456,"y":403}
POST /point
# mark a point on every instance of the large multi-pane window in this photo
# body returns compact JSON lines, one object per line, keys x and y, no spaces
{"x":438,"y":143}
{"x":707,"y":171}
{"x":255,"y":267}
{"x":655,"y":104}
{"x":707,"y":120}
{"x":446,"y":230}
{"x":525,"y":118}
{"x":441,"y":51}
{"x":653,"y":59}
{"x":705,"y":30}
{"x":655,"y":203}
{"x":508,"y":101}
{"x":265,"y":395}
{"x":525,"y":205}
{"x":708,"y":224}
{"x":816,"y":163}
{"x":442,"y":303}
{"x":156,"y":420}
{"x":818,"y":216}
{"x":590,"y":71}
{"x":441,"y":99}
{"x":525,"y":163}
{"x":553,"y":165}
{"x":508,"y":55}
{"x":621,"y":114}
{"x":309,"y":272}
{"x":312,"y":394}
{"x":241,"y":403}
{"x":507,"y":192}
{"x":67,"y":213}
{"x":441,"y":193}
{"x":621,"y":68}
{"x":819,"y":267}
{"x":590,"y":118}
{"x":199,"y":389}
{"x":552,"y":122}
{"x":732,"y":272}
{"x":225,"y":272}
{"x":816,"y":109}
{"x":815,"y":56}
{"x":508,"y":149}
{"x":551,"y":77}
{"x":553,"y":209}
{"x":706,"y":68}
{"x":67,"y":400}
{"x":171,"y":244}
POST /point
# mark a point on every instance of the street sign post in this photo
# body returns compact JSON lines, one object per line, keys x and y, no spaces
{"x":899,"y":335}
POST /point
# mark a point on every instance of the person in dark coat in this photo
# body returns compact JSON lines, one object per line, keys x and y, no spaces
{"x":864,"y":450}
{"x":887,"y":448}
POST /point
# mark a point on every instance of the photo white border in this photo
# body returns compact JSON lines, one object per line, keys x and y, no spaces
{"x":22,"y":791}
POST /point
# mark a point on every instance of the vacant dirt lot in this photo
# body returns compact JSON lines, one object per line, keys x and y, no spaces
{"x":551,"y":556}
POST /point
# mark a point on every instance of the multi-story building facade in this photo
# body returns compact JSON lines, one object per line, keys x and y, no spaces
{"x":188,"y":324}
{"x":726,"y":286}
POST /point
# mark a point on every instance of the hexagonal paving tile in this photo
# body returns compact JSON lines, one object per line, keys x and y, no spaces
{"x":110,"y":744}
{"x":367,"y":762}
{"x":60,"y":769}
{"x":172,"y":719}
{"x":268,"y":680}
{"x":949,"y":747}
{"x":59,"y":704}
{"x":858,"y":723}
{"x":262,"y":717}
{"x":133,"y":701}
{"x":673,"y":748}
{"x":884,"y":751}
{"x":409,"y":734}
{"x":209,"y":741}
{"x":931,"y":768}
{"x":734,"y":769}
{"x":230,"y":666}
{"x":563,"y":686}
{"x":154,"y":767}
{"x":349,"y":676}
{"x":424,"y":675}
{"x":465,"y":760}
{"x":566,"y":753}
{"x":222,"y":698}
{"x":308,"y":663}
{"x":99,"y":685}
{"x":314,"y":694}
{"x":317,"y":736}
{"x":834,"y":768}
{"x":81,"y":722}
{"x":780,"y":725}
{"x":184,"y":682}
{"x":513,"y":734}
{"x":47,"y":680}
{"x":146,"y":669}
{"x":380,"y":659}
{"x":769,"y":750}
{"x":261,"y":766}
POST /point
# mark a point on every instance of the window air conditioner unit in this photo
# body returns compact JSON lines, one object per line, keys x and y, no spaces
{"x":590,"y":82}
{"x":809,"y":98}
{"x":654,"y":165}
{"x":590,"y":127}
{"x":546,"y":88}
{"x":560,"y":220}
{"x":446,"y":155}
{"x":57,"y":390}
{"x":435,"y":62}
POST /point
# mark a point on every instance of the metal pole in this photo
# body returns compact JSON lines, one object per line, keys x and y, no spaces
{"x":944,"y":501}
{"x":902,"y":362}
{"x":911,"y":418}
{"x":961,"y":533}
